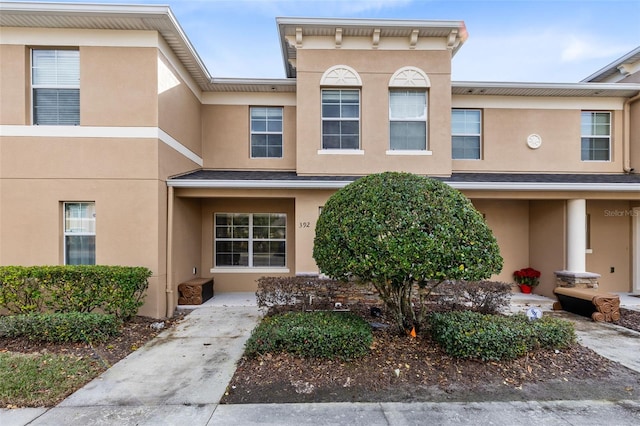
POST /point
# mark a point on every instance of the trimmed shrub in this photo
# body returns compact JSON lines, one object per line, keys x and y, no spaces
{"x":332,"y":335}
{"x":117,"y":290}
{"x":61,"y":327}
{"x":487,"y":297}
{"x":467,"y":334}
{"x":397,"y":230}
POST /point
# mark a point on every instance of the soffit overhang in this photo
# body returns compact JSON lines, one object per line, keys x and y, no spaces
{"x":454,"y":32}
{"x":109,"y":17}
{"x":602,"y":90}
{"x":500,"y":182}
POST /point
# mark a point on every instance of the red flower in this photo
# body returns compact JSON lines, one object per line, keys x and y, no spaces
{"x":528,"y":276}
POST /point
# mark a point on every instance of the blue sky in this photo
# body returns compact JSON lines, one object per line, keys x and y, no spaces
{"x":509,"y":40}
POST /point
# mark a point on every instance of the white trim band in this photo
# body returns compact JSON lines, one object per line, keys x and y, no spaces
{"x":321,"y":184}
{"x":100,"y":132}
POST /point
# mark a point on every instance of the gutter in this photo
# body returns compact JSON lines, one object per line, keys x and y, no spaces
{"x":320,"y":184}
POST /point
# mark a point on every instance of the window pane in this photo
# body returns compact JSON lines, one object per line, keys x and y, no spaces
{"x":266,"y":132}
{"x":264,"y":245}
{"x":80,"y":249}
{"x":408,"y":135}
{"x":56,"y":106}
{"x":407,"y":104}
{"x":80,"y":218}
{"x":466,"y":147}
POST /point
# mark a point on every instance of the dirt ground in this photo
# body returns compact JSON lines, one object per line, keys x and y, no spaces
{"x":398,"y":369}
{"x":402,"y":369}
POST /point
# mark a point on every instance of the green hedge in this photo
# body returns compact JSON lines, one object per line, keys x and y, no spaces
{"x":330,"y":335}
{"x":60,"y":327}
{"x":466,"y":334}
{"x":117,"y":290}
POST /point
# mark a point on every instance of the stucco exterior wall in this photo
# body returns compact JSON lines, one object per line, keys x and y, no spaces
{"x":634,"y":135}
{"x":504,"y":143}
{"x":226,"y":139}
{"x":375,"y":69}
{"x":509,"y":221}
{"x":244,"y":281}
{"x":610,"y":231}
{"x":13,"y":84}
{"x":547,"y":242}
{"x":118,"y":86}
{"x":179,"y":109}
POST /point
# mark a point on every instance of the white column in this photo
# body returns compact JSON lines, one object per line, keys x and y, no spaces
{"x":576,"y":235}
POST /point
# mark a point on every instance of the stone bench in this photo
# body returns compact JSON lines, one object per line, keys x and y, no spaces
{"x":195,"y":291}
{"x":589,"y":302}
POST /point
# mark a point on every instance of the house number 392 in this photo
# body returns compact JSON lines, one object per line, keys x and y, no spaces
{"x":304,"y":225}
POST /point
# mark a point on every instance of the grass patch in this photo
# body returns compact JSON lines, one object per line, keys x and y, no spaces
{"x":36,"y":380}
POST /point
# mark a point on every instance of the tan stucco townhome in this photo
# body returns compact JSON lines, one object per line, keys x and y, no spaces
{"x":118,"y":147}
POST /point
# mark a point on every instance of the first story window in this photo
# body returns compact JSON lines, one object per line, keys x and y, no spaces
{"x":80,"y":233}
{"x":266,"y":132}
{"x":340,"y":119}
{"x":595,"y":131}
{"x":466,"y":126}
{"x":408,"y":119}
{"x":55,"y":81}
{"x":250,"y":240}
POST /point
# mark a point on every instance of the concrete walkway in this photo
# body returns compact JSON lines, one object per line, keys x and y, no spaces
{"x":179,"y":377}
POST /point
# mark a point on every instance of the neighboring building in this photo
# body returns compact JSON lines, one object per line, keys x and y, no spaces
{"x":118,"y":147}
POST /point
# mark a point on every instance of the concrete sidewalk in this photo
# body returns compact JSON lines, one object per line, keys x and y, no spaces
{"x":179,"y":378}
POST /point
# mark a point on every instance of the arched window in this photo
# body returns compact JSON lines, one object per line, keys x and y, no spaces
{"x":340,"y":108}
{"x":408,"y":96}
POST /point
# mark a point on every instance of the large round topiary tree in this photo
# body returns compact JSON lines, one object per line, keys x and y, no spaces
{"x":398,"y":229}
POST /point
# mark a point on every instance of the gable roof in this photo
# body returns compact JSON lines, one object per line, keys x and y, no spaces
{"x":613,"y":68}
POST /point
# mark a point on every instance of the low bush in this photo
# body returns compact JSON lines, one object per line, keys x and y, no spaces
{"x":60,"y":327}
{"x":487,"y":297}
{"x":117,"y":290}
{"x":332,"y":335}
{"x":467,"y":334}
{"x":299,"y":291}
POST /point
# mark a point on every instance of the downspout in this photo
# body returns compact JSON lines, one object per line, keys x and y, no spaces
{"x":626,"y":136}
{"x":169,"y":286}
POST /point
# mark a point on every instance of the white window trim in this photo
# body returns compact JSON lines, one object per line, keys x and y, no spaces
{"x":426,"y":150}
{"x":66,"y":234}
{"x":341,"y":151}
{"x":250,"y":240}
{"x":610,"y":137}
{"x":248,"y":270}
{"x":411,"y":152}
{"x":348,"y":151}
{"x":251,"y":133}
{"x":45,"y":86}
{"x":479,"y":135}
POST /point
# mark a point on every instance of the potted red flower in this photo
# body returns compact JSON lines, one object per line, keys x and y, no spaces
{"x":527,"y":279}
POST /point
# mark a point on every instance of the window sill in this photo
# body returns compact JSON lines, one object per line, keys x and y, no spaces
{"x":247,"y":270}
{"x":341,"y":152}
{"x":588,"y":251}
{"x":408,"y":152}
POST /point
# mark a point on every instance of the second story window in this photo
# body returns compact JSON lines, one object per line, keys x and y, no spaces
{"x":408,"y":119}
{"x":595,"y":131}
{"x":340,"y":119}
{"x":466,"y":128}
{"x":266,"y":132}
{"x":55,"y":81}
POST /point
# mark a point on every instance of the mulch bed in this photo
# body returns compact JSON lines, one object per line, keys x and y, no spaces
{"x":400,"y":368}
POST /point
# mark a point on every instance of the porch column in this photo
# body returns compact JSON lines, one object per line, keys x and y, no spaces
{"x":576,"y":275}
{"x":576,"y":235}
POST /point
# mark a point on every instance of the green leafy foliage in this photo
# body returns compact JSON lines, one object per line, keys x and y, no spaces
{"x":333,"y":335}
{"x":117,"y":290}
{"x":60,"y":327}
{"x":467,"y":334}
{"x":399,"y":229}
